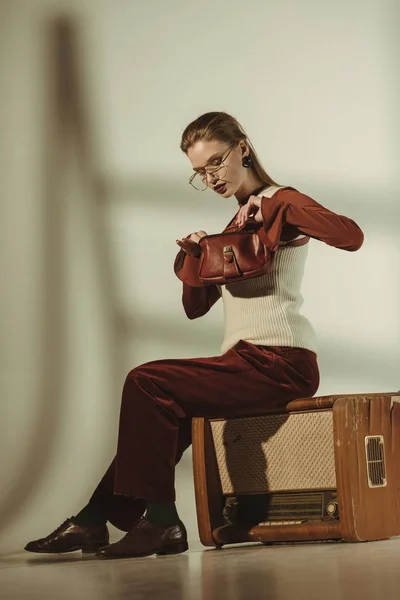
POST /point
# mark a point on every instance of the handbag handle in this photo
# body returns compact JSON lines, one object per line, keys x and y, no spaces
{"x":299,"y":242}
{"x":296,"y":242}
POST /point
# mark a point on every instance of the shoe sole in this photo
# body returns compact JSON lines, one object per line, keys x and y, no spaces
{"x":167,"y":550}
{"x":89,"y":549}
{"x":176,"y":549}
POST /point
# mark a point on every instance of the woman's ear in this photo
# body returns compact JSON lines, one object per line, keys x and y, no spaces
{"x":244,"y":148}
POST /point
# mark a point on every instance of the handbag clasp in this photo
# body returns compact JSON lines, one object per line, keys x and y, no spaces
{"x":228,"y":254}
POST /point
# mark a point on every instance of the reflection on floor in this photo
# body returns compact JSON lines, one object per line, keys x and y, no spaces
{"x":330,"y":571}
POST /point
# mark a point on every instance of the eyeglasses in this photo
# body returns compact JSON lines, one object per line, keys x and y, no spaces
{"x":199,"y":179}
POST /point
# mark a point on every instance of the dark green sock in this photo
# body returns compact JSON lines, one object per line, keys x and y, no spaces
{"x":91,"y":514}
{"x":162,"y":514}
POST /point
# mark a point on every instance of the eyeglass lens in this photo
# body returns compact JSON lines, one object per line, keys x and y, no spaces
{"x":200,"y":180}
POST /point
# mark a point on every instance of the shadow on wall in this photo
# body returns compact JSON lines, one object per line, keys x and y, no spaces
{"x":65,"y":138}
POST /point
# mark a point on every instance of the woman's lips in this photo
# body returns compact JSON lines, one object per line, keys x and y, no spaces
{"x":221,"y":188}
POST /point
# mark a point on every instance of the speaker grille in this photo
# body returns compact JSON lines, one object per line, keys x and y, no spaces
{"x":376,"y":467}
{"x":275,"y":452}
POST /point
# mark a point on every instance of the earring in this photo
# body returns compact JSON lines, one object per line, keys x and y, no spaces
{"x":247,"y":161}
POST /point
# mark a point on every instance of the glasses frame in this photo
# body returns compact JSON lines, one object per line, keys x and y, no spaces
{"x":213,"y":171}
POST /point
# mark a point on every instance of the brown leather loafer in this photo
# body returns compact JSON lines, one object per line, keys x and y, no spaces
{"x":70,"y":537}
{"x":145,"y":539}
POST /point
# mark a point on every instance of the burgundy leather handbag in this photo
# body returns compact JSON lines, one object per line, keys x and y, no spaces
{"x":233,"y":255}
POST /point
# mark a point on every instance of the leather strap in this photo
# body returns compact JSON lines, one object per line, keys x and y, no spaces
{"x":299,"y":242}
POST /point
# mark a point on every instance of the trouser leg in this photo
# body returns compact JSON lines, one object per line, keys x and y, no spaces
{"x":124,"y":511}
{"x":157,"y":396}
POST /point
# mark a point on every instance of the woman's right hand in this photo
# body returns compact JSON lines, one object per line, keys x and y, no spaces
{"x":190,"y":244}
{"x":196,"y":237}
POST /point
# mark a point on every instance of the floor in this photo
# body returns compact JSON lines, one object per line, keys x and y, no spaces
{"x":330,"y":571}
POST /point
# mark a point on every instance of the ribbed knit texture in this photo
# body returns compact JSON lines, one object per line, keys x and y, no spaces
{"x":265,"y":310}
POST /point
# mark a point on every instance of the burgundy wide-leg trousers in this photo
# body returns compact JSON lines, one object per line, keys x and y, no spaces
{"x":160,"y":398}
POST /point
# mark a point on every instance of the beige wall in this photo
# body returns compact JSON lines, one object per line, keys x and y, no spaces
{"x":315,"y":85}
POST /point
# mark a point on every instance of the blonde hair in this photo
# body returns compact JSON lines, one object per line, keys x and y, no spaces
{"x":221,"y":127}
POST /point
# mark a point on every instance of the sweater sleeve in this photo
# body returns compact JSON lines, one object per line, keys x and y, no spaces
{"x":186,"y":269}
{"x":198,"y":301}
{"x":288,"y":206}
{"x":197,"y":298}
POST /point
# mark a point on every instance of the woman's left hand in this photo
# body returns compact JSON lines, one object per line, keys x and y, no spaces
{"x":252,"y":208}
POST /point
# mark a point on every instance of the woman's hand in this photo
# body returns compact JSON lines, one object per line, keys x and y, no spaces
{"x":252,"y":209}
{"x":190,"y":243}
{"x":196,"y":236}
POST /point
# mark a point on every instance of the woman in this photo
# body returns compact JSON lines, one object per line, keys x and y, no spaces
{"x":269,"y":354}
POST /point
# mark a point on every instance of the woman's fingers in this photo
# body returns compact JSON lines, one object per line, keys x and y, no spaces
{"x":181,"y":244}
{"x":196,"y":236}
{"x":243,"y":215}
{"x":252,"y":207}
{"x":189,"y":246}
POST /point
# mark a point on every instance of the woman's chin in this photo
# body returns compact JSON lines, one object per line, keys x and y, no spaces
{"x":227,"y":193}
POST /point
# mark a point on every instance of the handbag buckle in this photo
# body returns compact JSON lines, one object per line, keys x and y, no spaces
{"x":228,"y":254}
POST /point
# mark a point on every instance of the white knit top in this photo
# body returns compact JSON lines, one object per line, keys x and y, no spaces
{"x":265,"y":310}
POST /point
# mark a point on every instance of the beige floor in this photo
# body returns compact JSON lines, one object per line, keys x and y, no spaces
{"x":311,"y":571}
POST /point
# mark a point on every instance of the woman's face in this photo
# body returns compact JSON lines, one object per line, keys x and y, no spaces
{"x":208,"y":156}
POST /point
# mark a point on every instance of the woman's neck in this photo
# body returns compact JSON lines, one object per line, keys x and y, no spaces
{"x":250,"y":187}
